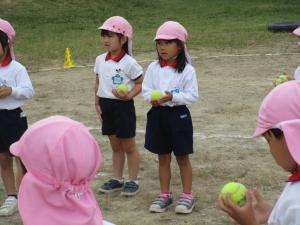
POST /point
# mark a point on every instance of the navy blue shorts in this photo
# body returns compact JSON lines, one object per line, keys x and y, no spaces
{"x":118,"y":117}
{"x":13,"y":123}
{"x":169,"y":129}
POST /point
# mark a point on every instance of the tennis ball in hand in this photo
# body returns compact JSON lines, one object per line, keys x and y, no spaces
{"x":281,"y":79}
{"x":156,"y":94}
{"x":237,"y":191}
{"x":122,"y":87}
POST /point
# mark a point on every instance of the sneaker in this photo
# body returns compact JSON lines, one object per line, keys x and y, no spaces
{"x":130,"y":188}
{"x":9,"y":207}
{"x":161,"y":203}
{"x":111,"y":186}
{"x":185,"y":204}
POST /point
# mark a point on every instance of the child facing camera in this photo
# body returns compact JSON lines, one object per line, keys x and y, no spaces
{"x":169,"y":124}
{"x":61,"y":158}
{"x":279,"y":124}
{"x":15,"y":89}
{"x":118,"y":80}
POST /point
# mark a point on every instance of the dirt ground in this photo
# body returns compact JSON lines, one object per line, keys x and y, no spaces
{"x":231,"y":86}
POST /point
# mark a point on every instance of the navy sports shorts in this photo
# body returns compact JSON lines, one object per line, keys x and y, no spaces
{"x":169,"y":129}
{"x":118,"y":117}
{"x":13,"y":123}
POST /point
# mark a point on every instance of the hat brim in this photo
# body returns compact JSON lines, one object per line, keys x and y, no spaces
{"x":259,"y":132}
{"x":297,"y":31}
{"x":165,"y":37}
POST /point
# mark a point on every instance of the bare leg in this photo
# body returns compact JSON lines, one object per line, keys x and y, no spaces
{"x":185,"y":172}
{"x":20,"y":172}
{"x":133,"y":159}
{"x":165,"y":172}
{"x":7,"y":173}
{"x":118,"y":157}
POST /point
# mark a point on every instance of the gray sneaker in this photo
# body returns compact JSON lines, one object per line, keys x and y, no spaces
{"x":161,"y":203}
{"x":9,"y":207}
{"x":111,"y":186}
{"x":130,"y":188}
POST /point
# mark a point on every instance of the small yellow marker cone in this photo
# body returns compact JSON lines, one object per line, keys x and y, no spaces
{"x":68,"y":61}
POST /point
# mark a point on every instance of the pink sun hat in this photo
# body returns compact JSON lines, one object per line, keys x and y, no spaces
{"x":61,"y":158}
{"x":7,"y":28}
{"x":281,"y":109}
{"x":171,"y":30}
{"x":119,"y":25}
{"x":297,"y":31}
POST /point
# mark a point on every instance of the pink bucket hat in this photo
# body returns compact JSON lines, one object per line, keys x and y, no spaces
{"x":7,"y":28}
{"x":281,"y":109}
{"x":61,"y":158}
{"x":119,"y":25}
{"x":173,"y":30}
{"x":297,"y":31}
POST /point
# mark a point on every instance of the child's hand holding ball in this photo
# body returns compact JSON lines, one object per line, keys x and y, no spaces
{"x":156,"y":95}
{"x":237,"y":193}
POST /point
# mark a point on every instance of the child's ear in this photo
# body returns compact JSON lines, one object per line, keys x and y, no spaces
{"x":123,"y":40}
{"x":9,"y":43}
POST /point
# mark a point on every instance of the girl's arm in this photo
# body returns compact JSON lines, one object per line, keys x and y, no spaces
{"x":251,"y":213}
{"x":147,"y":85}
{"x":23,"y":88}
{"x":189,"y":94}
{"x":133,"y":92}
{"x":97,"y":106}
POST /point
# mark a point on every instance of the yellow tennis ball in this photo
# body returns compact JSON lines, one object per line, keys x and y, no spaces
{"x":156,"y":94}
{"x":281,"y":79}
{"x":237,"y":193}
{"x":122,"y":87}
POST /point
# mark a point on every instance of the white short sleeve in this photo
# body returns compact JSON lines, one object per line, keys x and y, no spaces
{"x":297,"y":73}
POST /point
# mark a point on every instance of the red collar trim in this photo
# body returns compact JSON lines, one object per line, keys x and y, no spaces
{"x":294,"y":177}
{"x":117,"y":58}
{"x":164,"y":63}
{"x":7,"y":60}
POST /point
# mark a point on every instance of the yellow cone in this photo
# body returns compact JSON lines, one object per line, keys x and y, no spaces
{"x":68,"y":61}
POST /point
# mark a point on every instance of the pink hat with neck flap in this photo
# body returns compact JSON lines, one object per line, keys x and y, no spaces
{"x":118,"y":24}
{"x":7,"y":28}
{"x":281,"y":109}
{"x":171,"y":30}
{"x":297,"y":31}
{"x":61,"y":158}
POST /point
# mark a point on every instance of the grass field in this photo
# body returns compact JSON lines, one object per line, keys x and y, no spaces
{"x":45,"y":28}
{"x":236,"y":60}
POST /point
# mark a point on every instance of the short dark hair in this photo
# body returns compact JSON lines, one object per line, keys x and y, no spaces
{"x":181,"y":59}
{"x":107,"y":33}
{"x":278,"y":134}
{"x":4,"y":41}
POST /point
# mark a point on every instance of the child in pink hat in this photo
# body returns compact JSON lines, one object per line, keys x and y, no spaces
{"x":118,"y":80}
{"x":279,"y":123}
{"x":61,"y":158}
{"x":7,"y":28}
{"x":15,"y":89}
{"x":169,"y":126}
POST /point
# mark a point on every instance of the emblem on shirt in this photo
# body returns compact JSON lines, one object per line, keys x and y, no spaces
{"x":117,"y":79}
{"x":175,"y":90}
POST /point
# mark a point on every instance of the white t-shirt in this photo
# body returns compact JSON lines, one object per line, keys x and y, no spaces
{"x":183,"y":86}
{"x":15,"y":75}
{"x":297,"y":73}
{"x":111,"y":73}
{"x":287,"y":208}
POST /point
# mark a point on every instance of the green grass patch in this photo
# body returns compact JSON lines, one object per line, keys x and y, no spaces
{"x":45,"y":28}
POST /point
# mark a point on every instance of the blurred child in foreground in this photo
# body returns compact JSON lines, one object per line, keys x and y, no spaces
{"x":279,"y":124}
